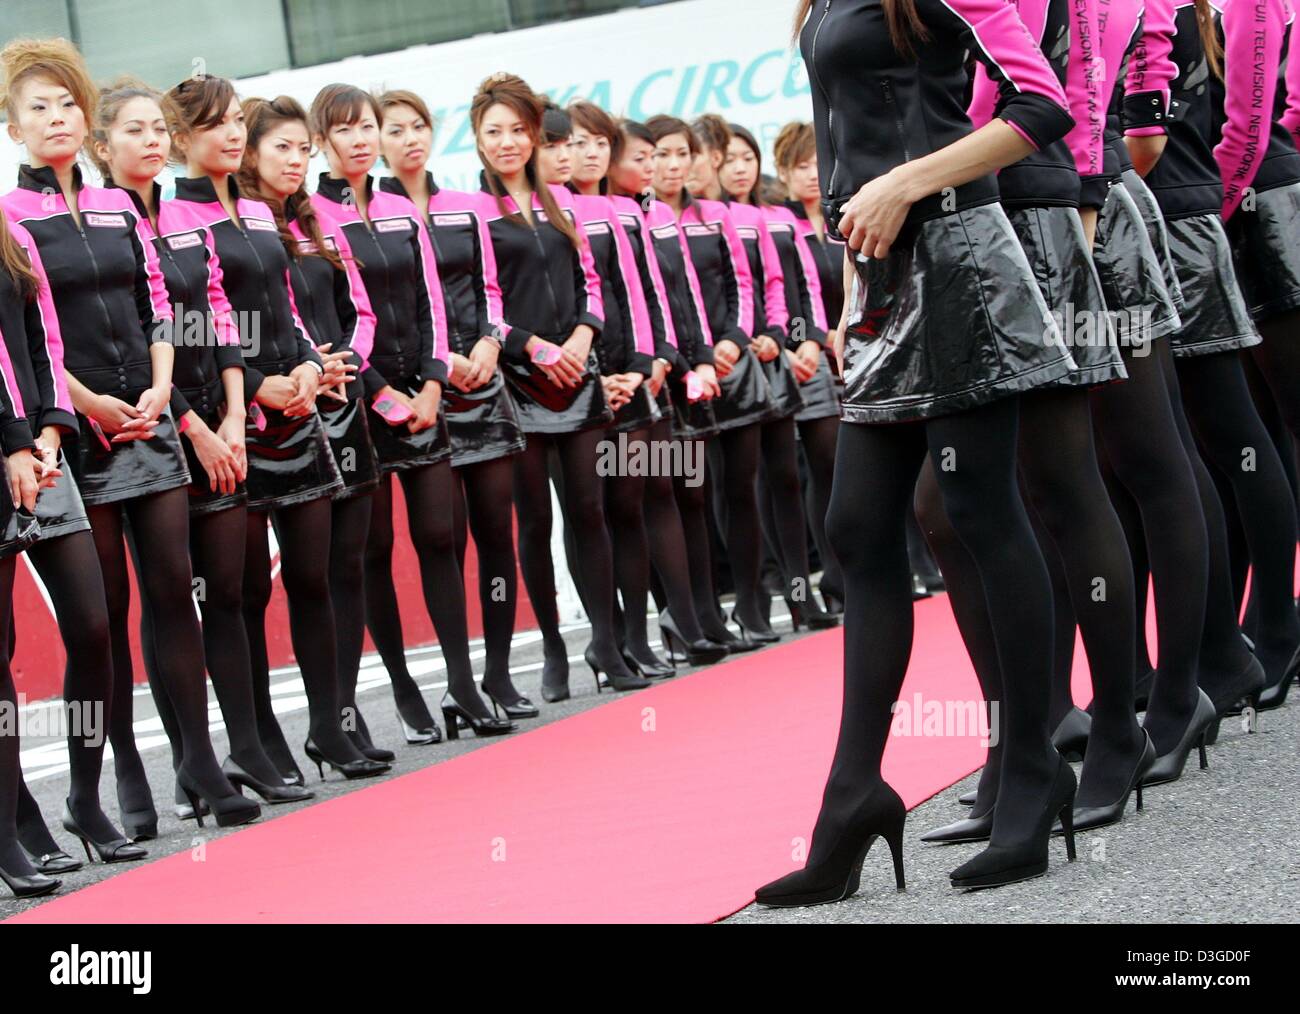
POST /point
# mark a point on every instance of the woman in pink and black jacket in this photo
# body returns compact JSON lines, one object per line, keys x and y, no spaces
{"x":408,"y":370}
{"x":947,"y":330}
{"x":481,"y":417}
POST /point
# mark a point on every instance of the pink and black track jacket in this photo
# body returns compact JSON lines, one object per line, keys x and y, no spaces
{"x":35,"y":386}
{"x":1255,"y":149}
{"x":548,"y":286}
{"x":803,"y":287}
{"x":1290,"y":118}
{"x":207,"y":340}
{"x":653,"y":287}
{"x":626,"y":339}
{"x":333,"y":304}
{"x":105,"y":282}
{"x":689,"y":318}
{"x":467,"y":268}
{"x":828,"y":255}
{"x":722,"y":267}
{"x":874,"y":108}
{"x":255,"y":276}
{"x":771,"y":316}
{"x":401,"y":278}
{"x":1050,"y":175}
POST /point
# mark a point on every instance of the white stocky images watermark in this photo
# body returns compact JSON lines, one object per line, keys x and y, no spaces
{"x":73,"y":719}
{"x":677,"y":458}
{"x":946,"y":717}
{"x":75,"y":967}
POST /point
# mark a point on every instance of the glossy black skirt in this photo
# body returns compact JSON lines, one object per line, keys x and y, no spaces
{"x":289,"y":461}
{"x":545,"y":408}
{"x":1154,"y":220}
{"x":129,"y":469}
{"x":949,"y":320}
{"x":59,"y":509}
{"x":787,"y":395}
{"x":821,"y":393}
{"x":18,"y":528}
{"x":398,"y":449}
{"x":348,"y":433}
{"x":1057,"y":248}
{"x":1215,"y":315}
{"x":1133,"y":281}
{"x":482,"y":424}
{"x":746,"y":395}
{"x":639,"y":413}
{"x":691,"y":420}
{"x":202,"y":498}
{"x":1266,"y":247}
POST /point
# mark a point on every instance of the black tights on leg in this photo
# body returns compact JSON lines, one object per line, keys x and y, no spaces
{"x":818,"y":438}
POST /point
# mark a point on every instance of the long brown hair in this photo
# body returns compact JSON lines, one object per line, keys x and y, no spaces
{"x":197,"y":103}
{"x":901,"y":16}
{"x":111,"y":100}
{"x":56,"y":59}
{"x":14,"y":262}
{"x":1209,"y":37}
{"x":513,"y":92}
{"x":261,"y":116}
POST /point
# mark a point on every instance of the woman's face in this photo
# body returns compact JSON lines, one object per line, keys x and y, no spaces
{"x":138,"y":142}
{"x":703,"y":173}
{"x":505,"y":140}
{"x":673,"y":161}
{"x":352,"y":148}
{"x":282,"y":156}
{"x":49,"y":123}
{"x":555,"y":161}
{"x":405,"y":139}
{"x":634,"y":172}
{"x":591,"y":157}
{"x":219,"y":148}
{"x":739,"y":172}
{"x":801,"y":181}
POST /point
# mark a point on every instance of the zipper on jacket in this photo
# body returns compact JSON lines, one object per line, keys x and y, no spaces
{"x":388,"y":282}
{"x":550,"y":284}
{"x":261,"y":271}
{"x":99,"y":295}
{"x":830,"y":113}
{"x":887,"y":87}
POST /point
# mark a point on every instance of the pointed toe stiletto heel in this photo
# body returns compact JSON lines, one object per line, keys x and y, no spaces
{"x":1240,"y":693}
{"x":650,"y":665}
{"x":515,"y":705}
{"x":419,"y":737}
{"x":616,"y":680}
{"x":555,"y":677}
{"x":50,"y":863}
{"x":273,"y":794}
{"x":228,"y":811}
{"x":1086,"y":818}
{"x":119,"y":850}
{"x":971,"y":829}
{"x":183,"y":809}
{"x":833,"y":600}
{"x":29,"y":885}
{"x":839,"y":875}
{"x":755,"y":637}
{"x":457,"y":717}
{"x":1071,"y":736}
{"x":999,"y":865}
{"x":809,"y":614}
{"x":363,"y":768}
{"x":701,"y":652}
{"x":1275,"y":696}
{"x":1169,"y":766}
{"x":968,"y":798}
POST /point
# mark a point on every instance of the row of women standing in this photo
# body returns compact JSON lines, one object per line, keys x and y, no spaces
{"x":181,"y":373}
{"x":1126,"y":172}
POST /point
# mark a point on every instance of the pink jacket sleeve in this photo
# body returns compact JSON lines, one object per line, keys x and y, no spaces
{"x":1291,"y":115}
{"x":1253,"y":35}
{"x":362,"y":339}
{"x":1083,"y":89}
{"x":984,"y":92}
{"x":488,"y":281}
{"x":591,"y":306}
{"x":778,"y":314}
{"x":741,"y":324}
{"x":45,"y":343}
{"x":1151,"y":72}
{"x":643,"y":339}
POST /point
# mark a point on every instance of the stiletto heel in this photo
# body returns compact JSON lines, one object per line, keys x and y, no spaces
{"x":31,"y":885}
{"x":273,"y":794}
{"x":651,"y":668}
{"x":194,"y":805}
{"x":1067,"y":823}
{"x":520,"y":707}
{"x":1168,"y":767}
{"x":454,"y":713}
{"x":894,"y":838}
{"x":363,"y":768}
{"x":809,"y":614}
{"x":755,"y":638}
{"x":227,"y":811}
{"x":1088,"y":817}
{"x":119,"y":850}
{"x":617,"y":681}
{"x":1205,"y":761}
{"x":419,"y":737}
{"x":705,"y":651}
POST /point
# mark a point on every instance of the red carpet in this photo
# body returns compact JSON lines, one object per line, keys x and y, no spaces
{"x":668,"y":804}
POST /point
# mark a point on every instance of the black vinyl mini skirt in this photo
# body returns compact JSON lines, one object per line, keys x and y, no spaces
{"x":129,"y":469}
{"x":202,"y":498}
{"x":1266,"y":247}
{"x":398,"y":449}
{"x":482,"y":424}
{"x":639,"y":413}
{"x":821,"y":393}
{"x":1154,"y":220}
{"x":18,"y":528}
{"x":951,"y":319}
{"x":59,"y":509}
{"x":1054,"y":241}
{"x":1215,"y":315}
{"x":746,"y":395}
{"x":1133,"y":281}
{"x":691,"y":420}
{"x":787,"y":394}
{"x":289,"y":461}
{"x":545,"y":408}
{"x":348,"y":433}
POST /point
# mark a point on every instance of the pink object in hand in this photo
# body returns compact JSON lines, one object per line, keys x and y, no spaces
{"x":546,"y":354}
{"x":257,"y":416}
{"x":99,"y":432}
{"x":392,"y":410}
{"x":694,"y":386}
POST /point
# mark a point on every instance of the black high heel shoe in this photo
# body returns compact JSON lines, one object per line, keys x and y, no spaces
{"x":139,"y":825}
{"x":809,"y":614}
{"x":839,"y":875}
{"x":701,"y":652}
{"x":1071,"y":736}
{"x":119,"y":850}
{"x":227,"y":811}
{"x":998,"y":865}
{"x":422,"y":736}
{"x":57,"y":861}
{"x":273,"y":794}
{"x":184,"y":810}
{"x":969,"y":829}
{"x":968,"y":798}
{"x":1275,"y":696}
{"x":833,"y":600}
{"x":1169,"y":766}
{"x":617,"y":681}
{"x":363,"y":768}
{"x":652,"y":667}
{"x":360,"y":737}
{"x":1088,"y":817}
{"x":555,"y":677}
{"x":1242,"y":693}
{"x":457,"y":716}
{"x":754,"y":637}
{"x":29,"y":885}
{"x":292,"y":775}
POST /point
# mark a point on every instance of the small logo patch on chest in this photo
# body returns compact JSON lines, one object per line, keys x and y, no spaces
{"x":101,"y":220}
{"x":184,"y":241}
{"x":393,"y":225}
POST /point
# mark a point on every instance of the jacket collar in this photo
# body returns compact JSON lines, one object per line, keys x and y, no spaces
{"x":43,"y":180}
{"x":202,"y":191}
{"x":111,"y":184}
{"x":393,"y":185}
{"x":335,"y":188}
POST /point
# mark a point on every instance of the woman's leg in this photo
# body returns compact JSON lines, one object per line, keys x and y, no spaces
{"x":781,"y":460}
{"x":740,"y":451}
{"x":349,"y":531}
{"x":488,"y":489}
{"x":666,"y":538}
{"x":12,"y":859}
{"x":693,"y":504}
{"x":532,"y":496}
{"x":819,"y":438}
{"x":256,"y":597}
{"x":625,"y":513}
